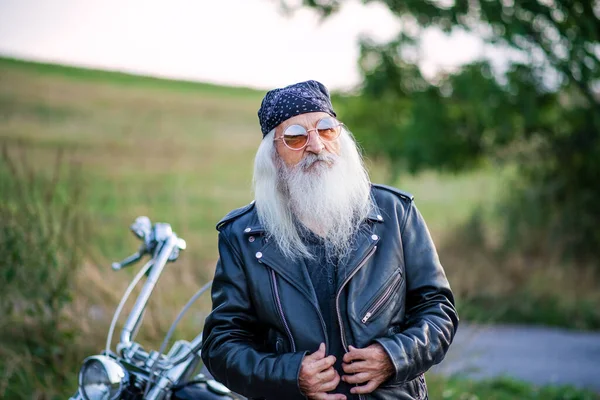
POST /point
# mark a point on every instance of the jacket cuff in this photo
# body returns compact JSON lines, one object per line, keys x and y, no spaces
{"x":302,"y":354}
{"x":281,"y":380}
{"x":391,"y":348}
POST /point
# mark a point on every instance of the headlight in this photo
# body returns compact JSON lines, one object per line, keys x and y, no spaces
{"x":102,"y":378}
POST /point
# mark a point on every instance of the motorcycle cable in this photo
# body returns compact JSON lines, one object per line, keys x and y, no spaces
{"x":170,"y":333}
{"x":130,"y":288}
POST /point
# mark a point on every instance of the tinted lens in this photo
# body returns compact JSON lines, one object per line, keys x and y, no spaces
{"x":329,"y":128}
{"x":295,"y":136}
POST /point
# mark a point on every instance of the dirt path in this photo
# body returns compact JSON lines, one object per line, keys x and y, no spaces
{"x":539,"y":355}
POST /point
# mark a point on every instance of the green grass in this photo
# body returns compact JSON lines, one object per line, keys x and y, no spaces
{"x":524,"y":307}
{"x":500,"y":389}
{"x":125,"y":79}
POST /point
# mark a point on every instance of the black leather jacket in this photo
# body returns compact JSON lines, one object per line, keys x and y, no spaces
{"x":265,"y":315}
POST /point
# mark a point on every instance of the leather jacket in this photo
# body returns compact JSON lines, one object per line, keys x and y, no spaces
{"x":265,"y":315}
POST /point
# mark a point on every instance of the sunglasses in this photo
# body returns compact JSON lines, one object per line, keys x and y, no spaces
{"x":295,"y":137}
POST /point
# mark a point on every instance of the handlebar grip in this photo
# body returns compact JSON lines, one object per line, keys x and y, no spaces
{"x":127,"y":262}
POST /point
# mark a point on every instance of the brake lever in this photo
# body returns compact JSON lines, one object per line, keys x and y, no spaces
{"x":132,"y":259}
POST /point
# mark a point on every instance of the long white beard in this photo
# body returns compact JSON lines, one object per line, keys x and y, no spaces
{"x":328,"y":194}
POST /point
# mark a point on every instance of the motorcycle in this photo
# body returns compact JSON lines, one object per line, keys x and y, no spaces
{"x":133,"y":373}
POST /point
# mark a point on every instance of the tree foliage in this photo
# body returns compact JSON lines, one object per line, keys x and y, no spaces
{"x":542,"y":111}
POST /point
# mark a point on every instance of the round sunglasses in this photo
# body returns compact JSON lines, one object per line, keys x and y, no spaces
{"x":295,"y":137}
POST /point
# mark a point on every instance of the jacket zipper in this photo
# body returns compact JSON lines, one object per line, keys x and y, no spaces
{"x":337,"y":300}
{"x":281,"y":313}
{"x":337,"y":297}
{"x":382,"y":300}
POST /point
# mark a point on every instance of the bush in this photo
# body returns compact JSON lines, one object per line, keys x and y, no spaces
{"x":42,"y":242}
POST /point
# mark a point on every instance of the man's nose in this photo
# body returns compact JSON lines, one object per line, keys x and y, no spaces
{"x":315,"y":144}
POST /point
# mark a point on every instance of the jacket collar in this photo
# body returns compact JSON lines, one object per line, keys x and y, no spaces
{"x":375,"y":214}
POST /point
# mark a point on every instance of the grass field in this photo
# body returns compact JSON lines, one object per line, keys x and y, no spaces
{"x":500,"y":389}
{"x":182,"y":153}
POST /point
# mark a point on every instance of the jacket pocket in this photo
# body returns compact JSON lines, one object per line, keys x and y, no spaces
{"x":382,"y":298}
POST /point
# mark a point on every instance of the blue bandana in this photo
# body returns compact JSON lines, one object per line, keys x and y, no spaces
{"x":300,"y":98}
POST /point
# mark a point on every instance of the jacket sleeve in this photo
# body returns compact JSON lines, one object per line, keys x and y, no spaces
{"x":232,"y":336}
{"x":431,"y":319}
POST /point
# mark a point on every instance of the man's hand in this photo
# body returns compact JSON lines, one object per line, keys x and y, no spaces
{"x":370,"y":365}
{"x":317,"y":376}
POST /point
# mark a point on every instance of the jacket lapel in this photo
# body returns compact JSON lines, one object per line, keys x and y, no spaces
{"x":292,"y":271}
{"x":363,"y":243}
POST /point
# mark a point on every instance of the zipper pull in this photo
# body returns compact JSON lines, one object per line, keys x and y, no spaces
{"x":366,"y":317}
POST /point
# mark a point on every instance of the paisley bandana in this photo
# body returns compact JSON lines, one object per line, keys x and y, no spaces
{"x":299,"y":98}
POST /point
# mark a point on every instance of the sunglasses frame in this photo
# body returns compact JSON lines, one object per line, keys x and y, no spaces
{"x":339,"y":125}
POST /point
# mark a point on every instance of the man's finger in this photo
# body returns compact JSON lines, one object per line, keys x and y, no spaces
{"x":325,"y":396}
{"x":364,"y":389}
{"x":318,"y":354}
{"x":355,"y":354}
{"x":322,"y":364}
{"x":330,"y":383}
{"x":365,"y":352}
{"x":361,"y":377}
{"x":356,"y":366}
{"x":327,"y":375}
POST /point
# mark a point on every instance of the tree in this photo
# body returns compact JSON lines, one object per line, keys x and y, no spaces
{"x":542,"y":112}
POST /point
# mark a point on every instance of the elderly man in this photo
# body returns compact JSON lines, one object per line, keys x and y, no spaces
{"x":327,"y":286}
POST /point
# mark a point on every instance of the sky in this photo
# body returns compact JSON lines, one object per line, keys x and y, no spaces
{"x":235,"y":42}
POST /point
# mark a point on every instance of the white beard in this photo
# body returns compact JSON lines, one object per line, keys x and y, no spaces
{"x":328,"y":194}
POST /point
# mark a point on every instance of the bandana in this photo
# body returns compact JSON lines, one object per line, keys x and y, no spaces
{"x":284,"y":103}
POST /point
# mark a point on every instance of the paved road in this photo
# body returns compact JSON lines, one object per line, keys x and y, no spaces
{"x":542,"y":356}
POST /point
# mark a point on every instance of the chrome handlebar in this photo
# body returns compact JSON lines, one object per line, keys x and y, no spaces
{"x":163,"y":244}
{"x":135,"y":317}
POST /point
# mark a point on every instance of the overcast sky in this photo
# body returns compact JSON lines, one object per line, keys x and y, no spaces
{"x":235,"y":42}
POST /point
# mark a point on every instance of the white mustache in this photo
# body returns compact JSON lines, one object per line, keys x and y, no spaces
{"x":312,"y":158}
